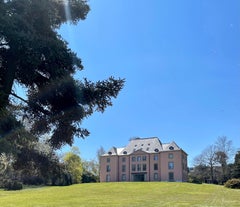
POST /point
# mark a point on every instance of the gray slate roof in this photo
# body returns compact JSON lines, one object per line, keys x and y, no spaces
{"x":148,"y":145}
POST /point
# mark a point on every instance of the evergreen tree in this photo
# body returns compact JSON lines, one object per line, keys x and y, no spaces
{"x":236,"y":166}
{"x":35,"y":57}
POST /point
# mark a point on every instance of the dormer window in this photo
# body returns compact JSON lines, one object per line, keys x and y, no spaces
{"x":171,"y":148}
{"x":109,"y":153}
{"x":125,"y":152}
{"x":156,"y":150}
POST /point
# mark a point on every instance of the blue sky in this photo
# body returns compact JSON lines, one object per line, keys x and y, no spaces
{"x":181,"y":62}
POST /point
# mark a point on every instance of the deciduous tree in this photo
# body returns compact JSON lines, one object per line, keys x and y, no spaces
{"x":224,"y":151}
{"x":207,"y":160}
{"x":215,"y":158}
{"x":74,"y":165}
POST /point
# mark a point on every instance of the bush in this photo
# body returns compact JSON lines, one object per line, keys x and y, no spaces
{"x":193,"y":179}
{"x":32,"y":180}
{"x":89,"y":177}
{"x":12,"y":185}
{"x":233,"y":183}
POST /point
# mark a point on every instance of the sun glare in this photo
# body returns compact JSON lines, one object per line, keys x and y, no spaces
{"x":67,"y":10}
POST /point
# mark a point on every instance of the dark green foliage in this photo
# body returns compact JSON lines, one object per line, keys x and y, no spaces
{"x":195,"y":180}
{"x":35,"y":57}
{"x":236,"y":166}
{"x":29,"y":164}
{"x":89,"y":177}
{"x":37,"y":168}
{"x":32,"y":180}
{"x":91,"y":171}
{"x":233,"y":183}
{"x":12,"y":185}
{"x":8,"y":123}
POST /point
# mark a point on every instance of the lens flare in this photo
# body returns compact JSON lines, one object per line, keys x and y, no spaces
{"x":67,"y":10}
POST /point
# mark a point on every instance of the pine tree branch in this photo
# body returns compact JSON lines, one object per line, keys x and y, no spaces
{"x":16,"y":96}
{"x":40,"y":109}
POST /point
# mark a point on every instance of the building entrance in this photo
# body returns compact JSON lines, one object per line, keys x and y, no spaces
{"x":139,"y":177}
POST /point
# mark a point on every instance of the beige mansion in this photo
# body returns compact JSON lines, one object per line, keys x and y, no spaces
{"x":144,"y":159}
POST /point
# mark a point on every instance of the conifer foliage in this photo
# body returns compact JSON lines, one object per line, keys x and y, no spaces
{"x":34,"y":56}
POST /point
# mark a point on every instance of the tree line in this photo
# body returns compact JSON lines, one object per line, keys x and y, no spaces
{"x":47,"y":168}
{"x":216,"y":164}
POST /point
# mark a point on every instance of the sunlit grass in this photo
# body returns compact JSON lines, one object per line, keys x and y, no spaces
{"x":123,"y":194}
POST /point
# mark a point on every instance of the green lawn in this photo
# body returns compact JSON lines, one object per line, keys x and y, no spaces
{"x":123,"y":194}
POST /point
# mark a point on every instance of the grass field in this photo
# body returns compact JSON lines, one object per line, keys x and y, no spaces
{"x":123,"y":194}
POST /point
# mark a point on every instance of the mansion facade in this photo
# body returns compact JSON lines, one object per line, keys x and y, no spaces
{"x":144,"y":159}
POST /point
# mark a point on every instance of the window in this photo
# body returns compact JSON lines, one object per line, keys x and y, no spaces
{"x":171,"y":176}
{"x":108,"y":178}
{"x":144,"y":158}
{"x":155,"y":166}
{"x":123,"y":177}
{"x":155,"y":157}
{"x":138,"y":167}
{"x":156,"y":150}
{"x":108,"y":159}
{"x":123,"y":168}
{"x":155,"y":176}
{"x":170,"y":155}
{"x":170,"y":165}
{"x":138,"y":158}
{"x":108,"y":168}
{"x":144,"y":167}
{"x":133,"y":159}
{"x":133,"y":167}
{"x":123,"y":159}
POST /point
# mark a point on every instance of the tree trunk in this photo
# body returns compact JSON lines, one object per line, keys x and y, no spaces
{"x":211,"y":172}
{"x":7,"y":81}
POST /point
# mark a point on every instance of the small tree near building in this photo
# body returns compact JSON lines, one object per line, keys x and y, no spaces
{"x":210,"y":160}
{"x":73,"y":165}
{"x":90,"y":172}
